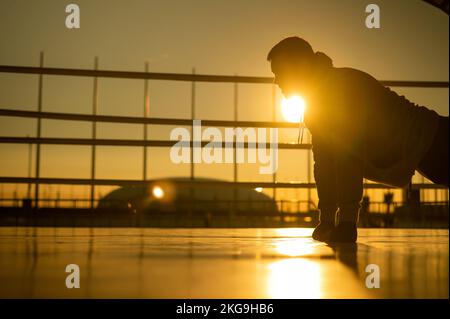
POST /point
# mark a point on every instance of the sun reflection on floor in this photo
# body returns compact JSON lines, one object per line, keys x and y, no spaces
{"x":294,"y":247}
{"x":294,"y":278}
{"x":294,"y":232}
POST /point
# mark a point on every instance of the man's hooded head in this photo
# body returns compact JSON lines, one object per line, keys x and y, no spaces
{"x":296,"y":66}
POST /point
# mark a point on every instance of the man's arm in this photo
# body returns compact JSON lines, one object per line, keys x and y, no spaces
{"x":325,"y":176}
{"x":349,"y":178}
{"x":339,"y":178}
{"x":338,"y":124}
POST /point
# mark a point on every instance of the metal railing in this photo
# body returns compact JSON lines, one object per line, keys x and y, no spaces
{"x":146,"y":120}
{"x":184,"y":77}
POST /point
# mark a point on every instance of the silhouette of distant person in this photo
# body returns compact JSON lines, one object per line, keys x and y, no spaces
{"x":360,"y":129}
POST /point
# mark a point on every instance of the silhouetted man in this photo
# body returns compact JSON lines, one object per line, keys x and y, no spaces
{"x":360,"y":129}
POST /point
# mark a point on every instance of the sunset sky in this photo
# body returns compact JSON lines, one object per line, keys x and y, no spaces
{"x":214,"y":37}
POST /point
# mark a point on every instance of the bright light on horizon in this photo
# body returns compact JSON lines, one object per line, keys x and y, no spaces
{"x":293,"y":108}
{"x":158,"y":192}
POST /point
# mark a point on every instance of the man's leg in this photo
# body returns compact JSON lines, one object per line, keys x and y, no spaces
{"x":434,"y":165}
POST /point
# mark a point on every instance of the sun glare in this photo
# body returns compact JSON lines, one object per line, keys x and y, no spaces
{"x":295,"y":278}
{"x":158,"y":192}
{"x":293,"y":108}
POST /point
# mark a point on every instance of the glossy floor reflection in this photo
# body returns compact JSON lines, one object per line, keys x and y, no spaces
{"x":220,"y":263}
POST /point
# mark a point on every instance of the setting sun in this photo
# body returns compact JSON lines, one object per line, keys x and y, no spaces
{"x":158,"y":192}
{"x":293,"y":108}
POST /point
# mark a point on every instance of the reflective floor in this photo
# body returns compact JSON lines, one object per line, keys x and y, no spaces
{"x":221,"y":263}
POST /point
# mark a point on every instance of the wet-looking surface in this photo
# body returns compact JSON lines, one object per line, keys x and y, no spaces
{"x":221,"y":263}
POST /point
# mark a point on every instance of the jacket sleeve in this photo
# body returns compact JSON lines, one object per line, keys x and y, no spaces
{"x":337,"y":122}
{"x":349,"y":177}
{"x":325,"y":177}
{"x":339,"y":179}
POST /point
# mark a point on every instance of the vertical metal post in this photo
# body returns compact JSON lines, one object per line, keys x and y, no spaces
{"x":436,"y":195}
{"x":192,"y":125}
{"x":30,"y":150}
{"x":235,"y":118}
{"x":94,"y":133}
{"x":405,"y":195}
{"x":192,"y":173}
{"x":235,"y":168}
{"x":308,"y":176}
{"x":146,"y":114}
{"x":38,"y":133}
{"x":423,"y":192}
{"x":274,"y":116}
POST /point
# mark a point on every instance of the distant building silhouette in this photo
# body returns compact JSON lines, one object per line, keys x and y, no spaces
{"x":178,"y":195}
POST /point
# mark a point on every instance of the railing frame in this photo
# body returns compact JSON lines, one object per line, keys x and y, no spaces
{"x":146,"y":120}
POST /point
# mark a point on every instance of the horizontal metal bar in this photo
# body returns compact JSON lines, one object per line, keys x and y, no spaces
{"x":141,"y":120}
{"x":184,"y":77}
{"x":56,"y":199}
{"x":149,"y":143}
{"x":287,"y":202}
{"x":187,"y":182}
{"x":136,"y":75}
{"x":416,"y":84}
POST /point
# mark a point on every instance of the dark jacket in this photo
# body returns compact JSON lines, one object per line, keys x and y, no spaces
{"x":362,"y":129}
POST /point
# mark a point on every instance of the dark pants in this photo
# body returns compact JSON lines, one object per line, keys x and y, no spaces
{"x":434,"y":165}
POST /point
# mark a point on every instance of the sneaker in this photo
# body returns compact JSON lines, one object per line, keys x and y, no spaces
{"x":322,"y":231}
{"x":344,"y":232}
